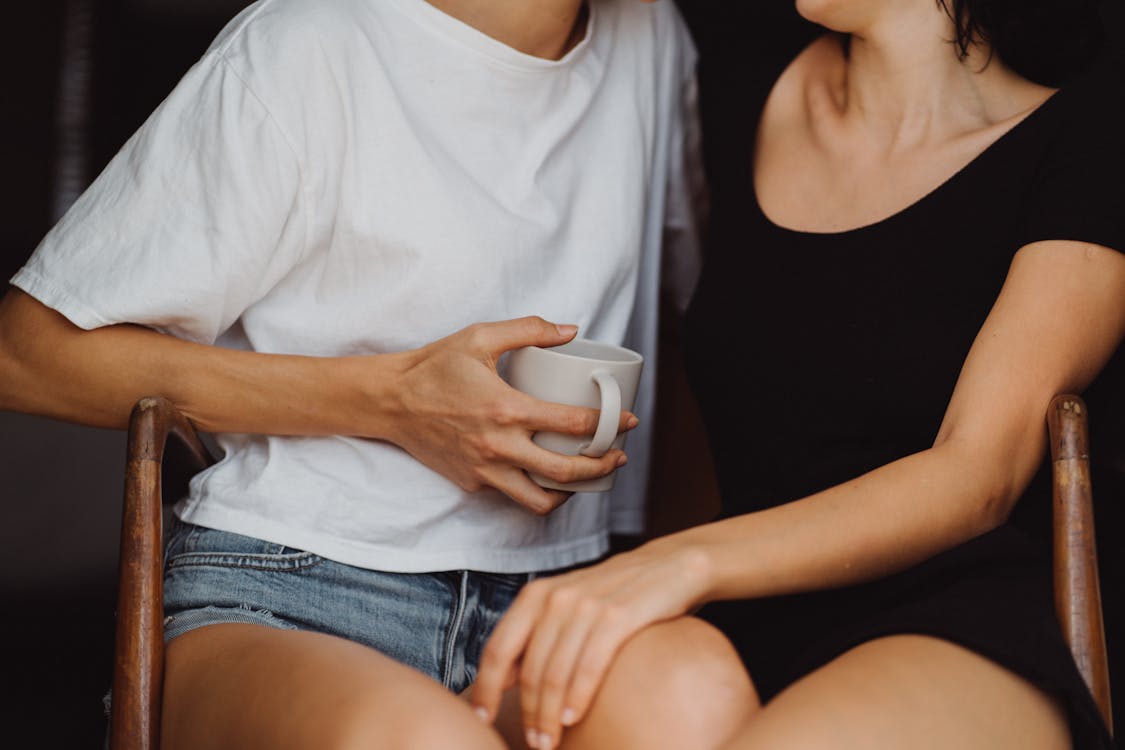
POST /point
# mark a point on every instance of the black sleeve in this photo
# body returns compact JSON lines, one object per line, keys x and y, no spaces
{"x":1078,"y":192}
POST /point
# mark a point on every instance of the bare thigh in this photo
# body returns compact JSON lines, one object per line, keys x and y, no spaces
{"x":243,"y":687}
{"x":908,"y":691}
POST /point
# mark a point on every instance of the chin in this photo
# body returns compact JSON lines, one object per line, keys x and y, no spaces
{"x":838,"y":15}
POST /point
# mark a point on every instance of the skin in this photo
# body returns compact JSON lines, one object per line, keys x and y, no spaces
{"x":249,"y":686}
{"x":846,"y":141}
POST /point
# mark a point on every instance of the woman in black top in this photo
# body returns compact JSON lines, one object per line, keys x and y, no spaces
{"x":914,"y":248}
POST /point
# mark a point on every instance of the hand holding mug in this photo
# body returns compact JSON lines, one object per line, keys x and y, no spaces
{"x":580,"y":373}
{"x":455,"y":414}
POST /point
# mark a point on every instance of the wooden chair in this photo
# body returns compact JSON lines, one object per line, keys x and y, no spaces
{"x":138,"y":672}
{"x":1078,"y":599}
{"x":139,"y":662}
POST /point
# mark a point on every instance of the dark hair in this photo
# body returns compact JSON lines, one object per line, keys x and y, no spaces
{"x":1047,"y":41}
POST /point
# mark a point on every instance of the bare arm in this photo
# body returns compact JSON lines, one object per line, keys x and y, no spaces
{"x":53,"y":368}
{"x":1057,"y":321}
{"x":1059,"y":318}
{"x":444,"y":403}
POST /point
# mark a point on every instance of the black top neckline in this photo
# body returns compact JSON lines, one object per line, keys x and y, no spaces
{"x":907,"y":210}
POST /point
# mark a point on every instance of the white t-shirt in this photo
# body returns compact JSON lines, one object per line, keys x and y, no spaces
{"x":344,"y":177}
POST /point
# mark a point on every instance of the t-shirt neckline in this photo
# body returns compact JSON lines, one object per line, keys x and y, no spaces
{"x":493,"y":49}
{"x":1008,"y":135}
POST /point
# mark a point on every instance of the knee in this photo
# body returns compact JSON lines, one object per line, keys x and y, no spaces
{"x":691,"y":663}
{"x":679,"y":679}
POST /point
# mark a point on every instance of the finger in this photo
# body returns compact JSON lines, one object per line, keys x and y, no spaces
{"x":545,"y":416}
{"x":565,"y":469}
{"x":553,"y":713}
{"x":607,"y":636}
{"x":535,"y":658}
{"x":517,"y":485}
{"x":503,"y":336}
{"x":505,"y":647}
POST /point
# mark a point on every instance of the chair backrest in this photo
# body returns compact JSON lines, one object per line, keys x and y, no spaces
{"x":139,"y":660}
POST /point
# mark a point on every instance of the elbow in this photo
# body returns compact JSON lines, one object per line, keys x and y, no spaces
{"x":994,"y":507}
{"x":994,"y":481}
{"x":9,"y":360}
{"x":1006,"y":477}
{"x":29,"y":342}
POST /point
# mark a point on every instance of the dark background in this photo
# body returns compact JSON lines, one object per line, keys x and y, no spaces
{"x":61,"y":484}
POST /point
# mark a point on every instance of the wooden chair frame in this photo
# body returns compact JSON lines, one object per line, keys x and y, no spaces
{"x":1078,"y":599}
{"x":138,"y":673}
{"x":139,"y":662}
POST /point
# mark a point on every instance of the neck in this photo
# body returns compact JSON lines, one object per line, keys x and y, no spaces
{"x":903,"y":78}
{"x":543,"y":28}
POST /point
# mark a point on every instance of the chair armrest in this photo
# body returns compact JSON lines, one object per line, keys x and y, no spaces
{"x":139,"y":660}
{"x":1077,"y":592}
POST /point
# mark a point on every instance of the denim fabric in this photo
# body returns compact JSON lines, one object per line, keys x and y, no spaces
{"x":436,"y":623}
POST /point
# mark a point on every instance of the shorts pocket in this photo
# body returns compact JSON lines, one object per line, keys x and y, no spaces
{"x":198,"y":546}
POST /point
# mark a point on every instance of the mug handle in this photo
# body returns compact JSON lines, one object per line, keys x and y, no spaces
{"x":608,"y":419}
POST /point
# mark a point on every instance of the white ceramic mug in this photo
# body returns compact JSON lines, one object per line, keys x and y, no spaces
{"x":580,"y":373}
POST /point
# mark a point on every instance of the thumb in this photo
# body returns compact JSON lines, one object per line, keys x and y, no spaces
{"x":497,"y":338}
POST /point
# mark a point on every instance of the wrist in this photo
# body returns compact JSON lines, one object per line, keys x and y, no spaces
{"x":374,"y":391}
{"x":695,"y":565}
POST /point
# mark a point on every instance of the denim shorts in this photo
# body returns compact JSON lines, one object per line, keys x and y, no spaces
{"x":436,"y":623}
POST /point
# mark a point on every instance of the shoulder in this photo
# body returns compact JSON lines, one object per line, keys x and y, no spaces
{"x":280,"y":37}
{"x":1084,"y":131}
{"x":297,"y":58}
{"x":814,"y":79}
{"x":1088,"y":111}
{"x":805,"y":92}
{"x":656,"y":28}
{"x":659,"y":17}
{"x":1078,"y":188}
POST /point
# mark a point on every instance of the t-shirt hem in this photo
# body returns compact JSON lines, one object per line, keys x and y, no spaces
{"x":627,"y":522}
{"x":530,"y":559}
{"x":59,"y":299}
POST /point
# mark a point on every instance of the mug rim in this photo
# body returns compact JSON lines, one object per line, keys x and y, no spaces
{"x":629,"y":357}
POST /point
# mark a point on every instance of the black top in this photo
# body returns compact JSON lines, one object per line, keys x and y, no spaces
{"x":848,"y":346}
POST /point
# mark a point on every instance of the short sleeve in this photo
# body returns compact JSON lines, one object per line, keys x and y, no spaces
{"x":1078,"y":192}
{"x":194,"y":220}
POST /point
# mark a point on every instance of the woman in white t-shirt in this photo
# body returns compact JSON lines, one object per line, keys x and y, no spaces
{"x":290,"y":249}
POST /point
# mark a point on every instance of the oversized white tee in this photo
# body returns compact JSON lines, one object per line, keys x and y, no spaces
{"x":347,"y":177}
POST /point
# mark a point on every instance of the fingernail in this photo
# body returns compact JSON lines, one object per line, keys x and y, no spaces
{"x":567,"y":330}
{"x":632,"y":422}
{"x":533,"y":739}
{"x":545,"y":741}
{"x":569,"y":716}
{"x":482,"y":712}
{"x":622,"y":460}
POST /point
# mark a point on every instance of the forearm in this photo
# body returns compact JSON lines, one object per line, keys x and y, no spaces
{"x":873,"y":526}
{"x":52,"y":368}
{"x":443,"y":403}
{"x":1057,"y":321}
